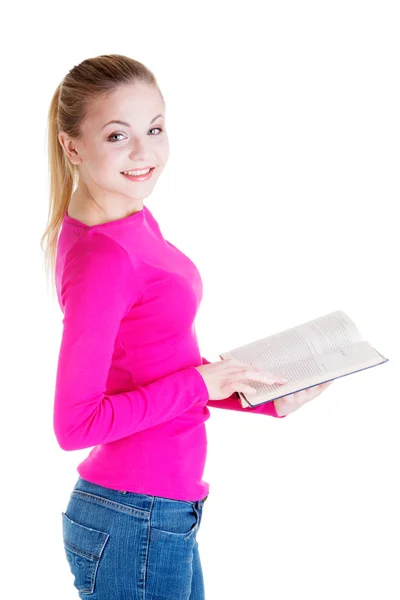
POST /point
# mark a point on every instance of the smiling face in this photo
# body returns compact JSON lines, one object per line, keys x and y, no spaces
{"x":106,"y":149}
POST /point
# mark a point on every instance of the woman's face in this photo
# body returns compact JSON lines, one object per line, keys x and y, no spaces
{"x":106,"y":149}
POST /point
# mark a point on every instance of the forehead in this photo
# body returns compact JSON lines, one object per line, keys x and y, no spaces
{"x":132,"y":102}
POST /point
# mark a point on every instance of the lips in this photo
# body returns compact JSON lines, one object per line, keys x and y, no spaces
{"x":138,"y":178}
{"x":141,"y":169}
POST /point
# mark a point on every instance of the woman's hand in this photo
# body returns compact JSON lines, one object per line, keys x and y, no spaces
{"x":291,"y":402}
{"x":224,"y":377}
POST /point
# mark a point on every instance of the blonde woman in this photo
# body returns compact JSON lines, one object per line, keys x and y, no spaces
{"x":131,"y":382}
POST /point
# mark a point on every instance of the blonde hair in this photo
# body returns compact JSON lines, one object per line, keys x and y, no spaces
{"x":71,"y":102}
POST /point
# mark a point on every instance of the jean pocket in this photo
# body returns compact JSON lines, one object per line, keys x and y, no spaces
{"x":175,"y":520}
{"x":83,"y":548}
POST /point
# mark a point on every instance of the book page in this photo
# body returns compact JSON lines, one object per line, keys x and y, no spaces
{"x":315,"y":370}
{"x":312,"y":339}
{"x":324,"y":366}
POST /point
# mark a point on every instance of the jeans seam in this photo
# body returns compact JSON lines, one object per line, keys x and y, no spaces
{"x":110,"y":504}
{"x":196,"y":525}
{"x":147,"y":549}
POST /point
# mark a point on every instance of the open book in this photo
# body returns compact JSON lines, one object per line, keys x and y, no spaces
{"x":315,"y":352}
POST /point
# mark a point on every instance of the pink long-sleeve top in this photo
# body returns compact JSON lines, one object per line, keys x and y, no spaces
{"x":126,"y":382}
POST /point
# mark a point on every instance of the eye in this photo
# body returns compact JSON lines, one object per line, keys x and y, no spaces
{"x":113,"y":135}
{"x":116,"y":134}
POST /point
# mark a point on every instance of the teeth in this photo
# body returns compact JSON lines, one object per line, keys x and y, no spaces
{"x":135,"y":173}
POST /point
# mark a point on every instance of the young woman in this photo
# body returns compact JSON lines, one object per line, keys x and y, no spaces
{"x":130,"y":379}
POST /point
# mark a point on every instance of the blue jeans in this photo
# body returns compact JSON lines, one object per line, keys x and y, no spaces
{"x":128,"y":546}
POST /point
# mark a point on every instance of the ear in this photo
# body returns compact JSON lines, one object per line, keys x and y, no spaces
{"x":69,"y":147}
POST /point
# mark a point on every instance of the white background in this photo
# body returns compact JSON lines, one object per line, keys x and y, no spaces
{"x":283,"y":187}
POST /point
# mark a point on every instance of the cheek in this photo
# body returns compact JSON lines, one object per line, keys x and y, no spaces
{"x":100,"y":158}
{"x":108,"y":164}
{"x":104,"y":169}
{"x":163,"y":152}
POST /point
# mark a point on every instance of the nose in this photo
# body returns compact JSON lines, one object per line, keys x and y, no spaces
{"x":138,"y":152}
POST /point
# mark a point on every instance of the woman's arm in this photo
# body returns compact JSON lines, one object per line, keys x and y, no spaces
{"x":98,"y":288}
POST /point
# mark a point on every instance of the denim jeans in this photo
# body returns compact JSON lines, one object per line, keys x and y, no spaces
{"x":129,"y":546}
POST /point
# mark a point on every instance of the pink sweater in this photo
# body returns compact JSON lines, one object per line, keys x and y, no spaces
{"x":126,"y":381}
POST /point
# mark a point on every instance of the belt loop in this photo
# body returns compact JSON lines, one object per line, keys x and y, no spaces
{"x":200,"y":503}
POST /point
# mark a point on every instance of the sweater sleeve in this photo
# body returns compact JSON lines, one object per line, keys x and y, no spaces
{"x":98,"y":288}
{"x":233,"y":403}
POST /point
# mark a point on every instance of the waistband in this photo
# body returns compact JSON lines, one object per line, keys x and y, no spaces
{"x":141,"y":501}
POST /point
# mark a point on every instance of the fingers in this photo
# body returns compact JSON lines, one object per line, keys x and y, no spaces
{"x":251,"y":372}
{"x":245,"y":371}
{"x":327,"y":384}
{"x":245,"y":389}
{"x":258,"y":375}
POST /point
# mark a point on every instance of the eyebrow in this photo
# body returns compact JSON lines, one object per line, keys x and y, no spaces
{"x":127,"y":124}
